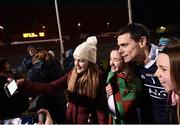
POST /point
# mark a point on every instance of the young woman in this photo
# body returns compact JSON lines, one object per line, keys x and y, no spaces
{"x":125,"y":87}
{"x":168,"y":63}
{"x":85,"y":91}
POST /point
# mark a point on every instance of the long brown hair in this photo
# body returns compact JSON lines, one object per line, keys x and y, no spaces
{"x":173,"y":51}
{"x":130,"y":69}
{"x":85,"y":83}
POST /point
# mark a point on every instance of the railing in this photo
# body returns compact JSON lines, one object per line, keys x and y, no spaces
{"x":34,"y":41}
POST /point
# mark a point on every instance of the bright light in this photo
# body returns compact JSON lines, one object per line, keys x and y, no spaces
{"x":79,"y":24}
{"x":25,"y":35}
{"x":29,"y":35}
{"x":1,"y":27}
{"x":41,"y":34}
{"x":32,"y":35}
{"x":162,"y":28}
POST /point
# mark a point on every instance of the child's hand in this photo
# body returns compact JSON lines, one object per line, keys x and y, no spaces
{"x":109,"y":90}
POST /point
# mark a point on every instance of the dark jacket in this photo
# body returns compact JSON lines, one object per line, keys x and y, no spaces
{"x":80,"y":110}
{"x":38,"y":72}
{"x":11,"y":106}
{"x":45,"y":71}
{"x":48,"y":71}
{"x":171,"y":111}
{"x":27,"y":62}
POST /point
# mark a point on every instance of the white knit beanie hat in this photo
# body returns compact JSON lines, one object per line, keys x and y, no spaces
{"x":87,"y":50}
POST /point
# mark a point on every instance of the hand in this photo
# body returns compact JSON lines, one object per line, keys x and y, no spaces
{"x":9,"y":79}
{"x":109,"y":90}
{"x":19,"y":81}
{"x":174,"y":98}
{"x":49,"y":120}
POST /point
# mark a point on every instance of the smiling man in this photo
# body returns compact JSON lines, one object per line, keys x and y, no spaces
{"x":134,"y":45}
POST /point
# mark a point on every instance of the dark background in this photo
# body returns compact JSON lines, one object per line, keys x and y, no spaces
{"x":26,"y":16}
{"x":18,"y":16}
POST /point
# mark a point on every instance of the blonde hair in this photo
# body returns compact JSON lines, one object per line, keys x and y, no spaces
{"x":43,"y":55}
{"x":85,"y":83}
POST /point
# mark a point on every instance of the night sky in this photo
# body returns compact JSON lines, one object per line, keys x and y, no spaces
{"x":19,"y":16}
{"x":156,"y":12}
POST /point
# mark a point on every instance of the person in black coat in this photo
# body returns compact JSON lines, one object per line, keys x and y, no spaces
{"x":17,"y":103}
{"x":46,"y":69}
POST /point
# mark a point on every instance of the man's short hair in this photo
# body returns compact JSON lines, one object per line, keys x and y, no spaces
{"x":136,"y":31}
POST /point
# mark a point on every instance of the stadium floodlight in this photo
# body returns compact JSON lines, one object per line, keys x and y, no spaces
{"x":1,"y":27}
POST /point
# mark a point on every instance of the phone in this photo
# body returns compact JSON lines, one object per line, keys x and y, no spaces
{"x":31,"y":118}
{"x":10,"y":88}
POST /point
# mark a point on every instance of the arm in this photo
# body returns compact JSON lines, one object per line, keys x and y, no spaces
{"x":35,"y":88}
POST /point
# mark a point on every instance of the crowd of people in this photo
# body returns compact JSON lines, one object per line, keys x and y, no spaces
{"x":141,"y":87}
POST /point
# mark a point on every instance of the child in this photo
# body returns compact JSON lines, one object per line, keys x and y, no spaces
{"x":123,"y":85}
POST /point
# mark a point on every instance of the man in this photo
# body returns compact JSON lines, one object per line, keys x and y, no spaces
{"x":27,"y":61}
{"x":134,"y":45}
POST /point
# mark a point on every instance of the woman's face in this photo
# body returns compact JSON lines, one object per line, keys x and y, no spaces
{"x":80,"y":65}
{"x":116,"y":61}
{"x":163,"y":71}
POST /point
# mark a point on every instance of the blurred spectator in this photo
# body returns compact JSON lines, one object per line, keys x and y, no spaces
{"x":38,"y":49}
{"x":22,"y":69}
{"x":5,"y":68}
{"x":69,"y":60}
{"x":163,"y":42}
{"x":46,"y":69}
{"x":27,"y":61}
{"x":17,"y":103}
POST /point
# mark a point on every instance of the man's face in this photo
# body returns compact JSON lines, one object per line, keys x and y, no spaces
{"x":116,"y":61}
{"x":32,"y":51}
{"x":129,"y":48}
